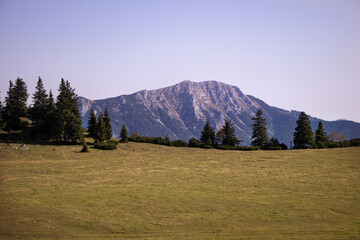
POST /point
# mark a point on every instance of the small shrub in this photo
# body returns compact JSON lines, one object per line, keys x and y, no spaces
{"x":113,"y":142}
{"x":240,"y":148}
{"x":179,"y":143}
{"x":105,"y":146}
{"x":332,"y":144}
{"x":85,"y":148}
{"x":193,"y":142}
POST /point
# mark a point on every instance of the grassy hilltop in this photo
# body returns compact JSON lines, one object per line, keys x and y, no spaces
{"x":144,"y":191}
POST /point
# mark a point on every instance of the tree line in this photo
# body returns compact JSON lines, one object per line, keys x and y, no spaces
{"x":59,"y":121}
{"x":303,"y":136}
{"x":46,"y":119}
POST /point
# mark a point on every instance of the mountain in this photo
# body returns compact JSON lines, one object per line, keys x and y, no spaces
{"x":181,"y":111}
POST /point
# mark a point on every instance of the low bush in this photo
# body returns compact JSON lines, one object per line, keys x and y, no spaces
{"x":113,"y":142}
{"x":241,"y":148}
{"x":106,"y":146}
{"x":85,"y":148}
{"x":179,"y":143}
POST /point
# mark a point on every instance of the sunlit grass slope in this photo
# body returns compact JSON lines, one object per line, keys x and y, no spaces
{"x":144,"y":191}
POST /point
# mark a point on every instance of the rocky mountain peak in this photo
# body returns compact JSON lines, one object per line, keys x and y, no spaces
{"x":182,"y":109}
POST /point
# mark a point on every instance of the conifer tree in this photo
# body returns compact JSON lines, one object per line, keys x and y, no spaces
{"x":15,"y":106}
{"x":259,"y":132}
{"x":92,"y":124}
{"x":321,"y":139}
{"x":208,"y":134}
{"x":69,"y":127}
{"x":38,"y":110}
{"x":303,"y":135}
{"x":51,"y":117}
{"x":108,"y":127}
{"x":226,"y":135}
{"x":100,"y":129}
{"x":167,"y":140}
{"x":124,"y":134}
{"x":1,"y":110}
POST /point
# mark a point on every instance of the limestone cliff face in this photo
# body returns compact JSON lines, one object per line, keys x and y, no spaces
{"x":181,"y":111}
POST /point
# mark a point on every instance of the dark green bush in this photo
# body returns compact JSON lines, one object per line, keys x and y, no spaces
{"x":85,"y":148}
{"x":193,"y":142}
{"x":240,"y":148}
{"x":113,"y":142}
{"x":332,"y":144}
{"x":179,"y":143}
{"x":105,"y":146}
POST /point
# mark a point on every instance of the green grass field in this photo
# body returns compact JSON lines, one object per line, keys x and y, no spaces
{"x":144,"y":191}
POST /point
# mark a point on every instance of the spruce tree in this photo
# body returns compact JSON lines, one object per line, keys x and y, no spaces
{"x":108,"y":127}
{"x":100,"y":129}
{"x":51,"y":117}
{"x":69,"y":127}
{"x":259,"y":132}
{"x":321,"y":139}
{"x":303,"y":135}
{"x":15,"y":106}
{"x":92,"y":124}
{"x":227,"y":134}
{"x":167,"y":140}
{"x":1,"y":110}
{"x":124,"y":134}
{"x":38,"y":110}
{"x":208,"y":134}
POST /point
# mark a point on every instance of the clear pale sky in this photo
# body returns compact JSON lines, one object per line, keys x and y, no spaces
{"x":300,"y":54}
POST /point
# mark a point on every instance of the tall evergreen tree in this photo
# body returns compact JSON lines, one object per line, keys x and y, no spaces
{"x":226,"y":135}
{"x":15,"y":106}
{"x":69,"y":127}
{"x":124,"y":134}
{"x":321,"y":139}
{"x":208,"y":134}
{"x":101,"y":130}
{"x":9,"y":111}
{"x":51,"y":117}
{"x":1,"y":119}
{"x":259,"y":132}
{"x":303,"y":135}
{"x":92,"y":124}
{"x":108,"y":127}
{"x":38,"y":110}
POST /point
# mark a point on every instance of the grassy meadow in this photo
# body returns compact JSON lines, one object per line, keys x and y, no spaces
{"x":145,"y":191}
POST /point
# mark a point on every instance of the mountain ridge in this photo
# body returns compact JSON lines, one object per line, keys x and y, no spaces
{"x":181,"y":110}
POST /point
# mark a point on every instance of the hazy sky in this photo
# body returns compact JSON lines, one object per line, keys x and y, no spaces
{"x":301,"y":55}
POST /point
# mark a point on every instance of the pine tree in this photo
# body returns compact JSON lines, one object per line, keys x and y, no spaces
{"x":69,"y":127}
{"x":321,"y":139}
{"x":303,"y":135}
{"x":92,"y":124}
{"x":15,"y":106}
{"x":259,"y":132}
{"x":51,"y":117}
{"x":9,"y":111}
{"x":167,"y":140}
{"x":208,"y":134}
{"x":108,"y":127}
{"x":1,"y":110}
{"x":124,"y":134}
{"x":38,"y":110}
{"x":227,"y":134}
{"x":100,"y":129}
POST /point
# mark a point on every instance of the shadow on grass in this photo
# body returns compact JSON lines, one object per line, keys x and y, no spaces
{"x":19,"y":137}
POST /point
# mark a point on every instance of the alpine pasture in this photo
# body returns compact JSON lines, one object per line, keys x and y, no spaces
{"x":145,"y":191}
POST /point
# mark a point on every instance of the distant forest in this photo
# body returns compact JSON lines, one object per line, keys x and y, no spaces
{"x":58,"y":121}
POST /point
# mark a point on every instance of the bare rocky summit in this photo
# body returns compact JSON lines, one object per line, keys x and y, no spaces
{"x":181,"y":111}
